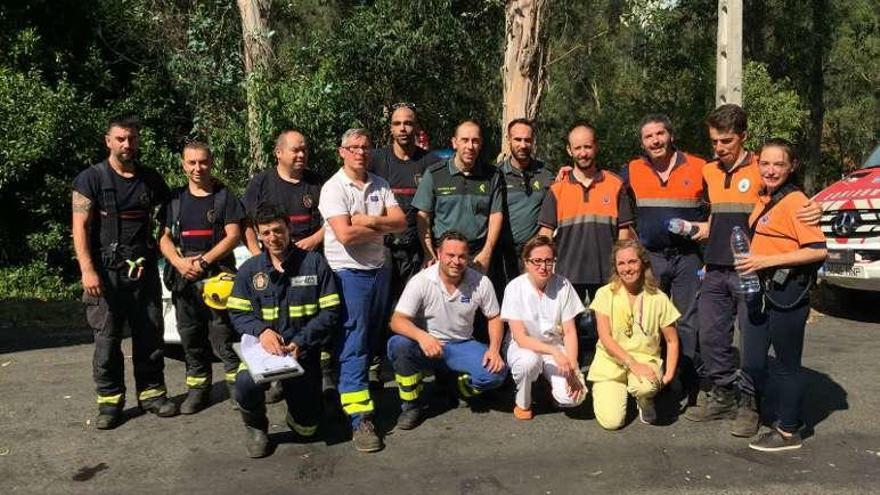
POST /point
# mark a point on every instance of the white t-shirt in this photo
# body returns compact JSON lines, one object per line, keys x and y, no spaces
{"x":341,"y":196}
{"x":541,"y":314}
{"x":448,"y":317}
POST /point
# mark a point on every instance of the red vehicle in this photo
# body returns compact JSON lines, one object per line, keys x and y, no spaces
{"x":852,"y":226}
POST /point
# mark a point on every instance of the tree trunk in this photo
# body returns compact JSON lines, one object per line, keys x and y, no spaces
{"x":812,"y":156}
{"x":257,"y":59}
{"x":525,"y":60}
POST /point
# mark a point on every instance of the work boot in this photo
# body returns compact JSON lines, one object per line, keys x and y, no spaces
{"x":230,"y":387}
{"x":109,"y":417}
{"x":747,"y":420}
{"x":275,"y":393}
{"x":411,"y":418}
{"x":365,"y":437}
{"x":256,"y":426}
{"x":196,"y":400}
{"x":161,"y":406}
{"x":720,"y":404}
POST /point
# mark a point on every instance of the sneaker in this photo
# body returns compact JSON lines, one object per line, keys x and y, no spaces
{"x":196,"y":400}
{"x":647,"y":412}
{"x":275,"y":393}
{"x":522,"y":414}
{"x":410,"y":418}
{"x":773,"y":441}
{"x":108,"y":417}
{"x":365,"y":437}
{"x":160,"y":406}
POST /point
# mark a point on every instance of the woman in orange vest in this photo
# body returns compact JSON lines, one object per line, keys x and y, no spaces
{"x":785,"y":254}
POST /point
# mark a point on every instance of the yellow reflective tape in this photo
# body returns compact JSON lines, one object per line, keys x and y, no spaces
{"x":328,"y":301}
{"x":410,"y":395}
{"x":230,"y":375}
{"x":238,"y":303}
{"x":109,"y":399}
{"x":151,"y":393}
{"x":352,"y":397}
{"x":409,"y":380}
{"x":358,"y":408}
{"x":196,"y":381}
{"x":242,"y":366}
{"x":303,"y":430}
{"x":270,"y":313}
{"x":304,"y":310}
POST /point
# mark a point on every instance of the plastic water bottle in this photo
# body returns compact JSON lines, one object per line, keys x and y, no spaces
{"x":682,"y":227}
{"x":739,"y":244}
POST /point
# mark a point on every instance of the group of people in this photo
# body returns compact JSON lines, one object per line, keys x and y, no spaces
{"x":629,"y":275}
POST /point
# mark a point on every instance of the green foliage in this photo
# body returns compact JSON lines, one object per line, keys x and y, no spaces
{"x":774,"y":108}
{"x":36,"y":280}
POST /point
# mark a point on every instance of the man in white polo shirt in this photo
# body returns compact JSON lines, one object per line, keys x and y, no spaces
{"x":358,"y":209}
{"x":434,"y":323}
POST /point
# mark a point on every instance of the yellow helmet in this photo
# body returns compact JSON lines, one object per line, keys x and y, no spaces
{"x":216,"y":290}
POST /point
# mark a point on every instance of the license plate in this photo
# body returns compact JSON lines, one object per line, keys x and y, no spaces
{"x":850,"y":271}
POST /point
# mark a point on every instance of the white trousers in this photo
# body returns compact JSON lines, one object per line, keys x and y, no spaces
{"x":526,"y":366}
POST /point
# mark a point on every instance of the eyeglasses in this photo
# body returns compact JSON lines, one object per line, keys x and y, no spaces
{"x":404,"y":104}
{"x":357,"y":150}
{"x":538,"y":262}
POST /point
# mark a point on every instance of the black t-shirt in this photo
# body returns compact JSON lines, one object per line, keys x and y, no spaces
{"x":299,"y":201}
{"x":403,"y":176}
{"x":197,"y":217}
{"x":136,"y":200}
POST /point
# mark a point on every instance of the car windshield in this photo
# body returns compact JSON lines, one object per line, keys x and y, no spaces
{"x":873,"y":160}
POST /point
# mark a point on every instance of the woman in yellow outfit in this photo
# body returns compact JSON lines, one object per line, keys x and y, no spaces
{"x":631,"y":315}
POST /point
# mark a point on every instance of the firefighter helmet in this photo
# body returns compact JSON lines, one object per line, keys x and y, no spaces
{"x":216,"y":290}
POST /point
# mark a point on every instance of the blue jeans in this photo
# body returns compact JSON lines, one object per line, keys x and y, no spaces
{"x":766,"y":325}
{"x":361,"y":297}
{"x":464,"y":357}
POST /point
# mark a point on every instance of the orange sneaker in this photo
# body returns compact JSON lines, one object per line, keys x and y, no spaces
{"x":522,"y":414}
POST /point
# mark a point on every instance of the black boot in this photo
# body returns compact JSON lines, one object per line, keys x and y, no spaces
{"x":275,"y":392}
{"x":720,"y":404}
{"x":230,"y":387}
{"x":161,"y":406}
{"x":747,"y":420}
{"x":109,"y":417}
{"x":196,"y":400}
{"x":256,"y":426}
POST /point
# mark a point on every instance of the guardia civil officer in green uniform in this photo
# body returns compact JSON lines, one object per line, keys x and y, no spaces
{"x":462,"y":194}
{"x":526,"y":181}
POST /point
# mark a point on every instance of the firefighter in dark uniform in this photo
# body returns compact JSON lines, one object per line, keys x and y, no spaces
{"x":402,"y":164}
{"x":526,"y":181}
{"x":296,"y":189}
{"x":113,"y":205}
{"x":286,"y":297}
{"x":202,"y":227}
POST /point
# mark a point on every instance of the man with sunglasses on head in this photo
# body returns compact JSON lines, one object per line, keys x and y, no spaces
{"x":359,"y":210}
{"x":402,"y":164}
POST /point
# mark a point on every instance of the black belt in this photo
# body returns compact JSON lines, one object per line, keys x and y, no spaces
{"x":672,"y":251}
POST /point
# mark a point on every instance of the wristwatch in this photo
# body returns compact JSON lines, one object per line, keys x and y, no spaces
{"x":203,"y":263}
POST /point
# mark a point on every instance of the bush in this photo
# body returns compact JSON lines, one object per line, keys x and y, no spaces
{"x":36,"y":281}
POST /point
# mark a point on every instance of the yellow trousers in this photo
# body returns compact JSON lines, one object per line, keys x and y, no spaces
{"x":609,"y":397}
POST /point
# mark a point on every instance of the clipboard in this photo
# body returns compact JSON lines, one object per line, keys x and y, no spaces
{"x":265,"y":367}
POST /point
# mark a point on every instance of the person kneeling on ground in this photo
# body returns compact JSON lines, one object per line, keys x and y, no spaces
{"x":444,"y":298}
{"x":631,"y":313}
{"x":286,"y":297}
{"x":540,"y":308}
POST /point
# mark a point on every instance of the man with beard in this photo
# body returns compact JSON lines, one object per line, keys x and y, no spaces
{"x":526,"y":181}
{"x":586,"y":211}
{"x":402,"y":164}
{"x":667,"y":184}
{"x":113,"y":206}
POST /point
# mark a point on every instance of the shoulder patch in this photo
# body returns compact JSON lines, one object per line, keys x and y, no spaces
{"x":260,"y":281}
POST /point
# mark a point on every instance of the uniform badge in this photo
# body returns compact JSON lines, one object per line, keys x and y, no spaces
{"x":307,"y":201}
{"x":211,"y":216}
{"x":482,"y":188}
{"x":744,"y":185}
{"x":260,"y":281}
{"x":536,"y":184}
{"x":465,"y":299}
{"x":374,"y":198}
